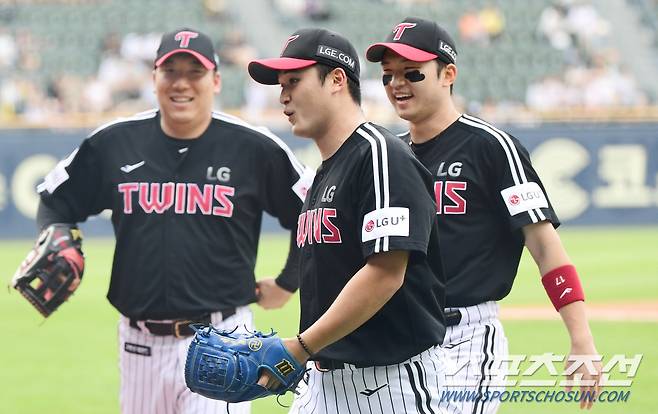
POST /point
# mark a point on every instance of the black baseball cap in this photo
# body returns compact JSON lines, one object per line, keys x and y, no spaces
{"x":418,"y":40}
{"x":190,"y":41}
{"x":305,"y":48}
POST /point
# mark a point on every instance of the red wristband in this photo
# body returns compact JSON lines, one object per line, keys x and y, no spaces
{"x":563,"y":286}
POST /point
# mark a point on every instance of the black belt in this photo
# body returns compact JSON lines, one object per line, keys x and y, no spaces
{"x":179,"y":328}
{"x":325,"y":365}
{"x":452,"y":317}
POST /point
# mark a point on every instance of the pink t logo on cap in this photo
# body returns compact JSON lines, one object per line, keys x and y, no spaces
{"x":185,"y":37}
{"x":290,"y":39}
{"x":399,"y":29}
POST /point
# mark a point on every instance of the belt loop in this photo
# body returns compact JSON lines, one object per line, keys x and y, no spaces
{"x":318,"y":366}
{"x":141,"y":325}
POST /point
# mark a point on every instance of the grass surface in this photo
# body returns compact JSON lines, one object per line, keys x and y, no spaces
{"x":69,"y":364}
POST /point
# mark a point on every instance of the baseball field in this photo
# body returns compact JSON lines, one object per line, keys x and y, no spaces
{"x":68,"y":363}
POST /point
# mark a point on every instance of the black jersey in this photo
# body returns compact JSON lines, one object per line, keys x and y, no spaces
{"x":372,"y":196}
{"x":186,"y":213}
{"x":486,"y":190}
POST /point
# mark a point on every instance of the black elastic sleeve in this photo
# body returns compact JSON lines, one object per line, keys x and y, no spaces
{"x":47,"y":216}
{"x":289,"y":277}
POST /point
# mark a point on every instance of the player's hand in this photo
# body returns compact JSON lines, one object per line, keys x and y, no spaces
{"x":589,"y":380}
{"x":270,"y":295}
{"x":269,"y":381}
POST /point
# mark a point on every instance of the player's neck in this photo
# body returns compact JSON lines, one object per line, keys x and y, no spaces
{"x":433,"y":125}
{"x":188,"y":130}
{"x":339,"y":128}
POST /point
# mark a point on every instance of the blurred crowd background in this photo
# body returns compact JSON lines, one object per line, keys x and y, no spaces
{"x":76,"y":62}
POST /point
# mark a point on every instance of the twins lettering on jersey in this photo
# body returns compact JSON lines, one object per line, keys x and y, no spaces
{"x":316,"y":226}
{"x":447,"y":193}
{"x":186,"y":198}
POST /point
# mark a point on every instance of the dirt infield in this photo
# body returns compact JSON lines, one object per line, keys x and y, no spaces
{"x":635,"y":311}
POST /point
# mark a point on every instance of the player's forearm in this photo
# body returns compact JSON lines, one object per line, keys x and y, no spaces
{"x":545,"y":246}
{"x":575,"y":320}
{"x":365,"y":294}
{"x":548,"y":252}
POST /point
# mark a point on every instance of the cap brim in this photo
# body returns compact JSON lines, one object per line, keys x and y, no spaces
{"x":266,"y":71}
{"x":375,"y":53}
{"x":204,"y":60}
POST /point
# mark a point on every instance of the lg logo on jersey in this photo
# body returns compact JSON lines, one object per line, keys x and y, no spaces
{"x":454,"y":170}
{"x":222,"y":174}
{"x":186,"y":198}
{"x":328,"y":194}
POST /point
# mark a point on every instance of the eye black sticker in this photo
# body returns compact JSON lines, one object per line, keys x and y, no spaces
{"x":414,"y":76}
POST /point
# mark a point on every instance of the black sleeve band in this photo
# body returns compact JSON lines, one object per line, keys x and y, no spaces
{"x":47,"y":216}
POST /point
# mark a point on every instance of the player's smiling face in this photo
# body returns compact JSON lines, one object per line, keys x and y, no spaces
{"x":413,"y":88}
{"x":185,"y":90}
{"x":305,"y":101}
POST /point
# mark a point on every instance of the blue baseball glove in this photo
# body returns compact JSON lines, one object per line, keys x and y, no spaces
{"x":226,"y":365}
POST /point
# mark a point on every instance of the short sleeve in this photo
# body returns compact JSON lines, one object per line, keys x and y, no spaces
{"x":518,"y":191}
{"x":73,"y":189}
{"x":396,"y":210}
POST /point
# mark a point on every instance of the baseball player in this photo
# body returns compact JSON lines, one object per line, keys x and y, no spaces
{"x":490,"y":202}
{"x":371,"y":289}
{"x":187,"y":188}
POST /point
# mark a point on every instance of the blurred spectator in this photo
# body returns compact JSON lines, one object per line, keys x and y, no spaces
{"x":20,"y":97}
{"x":8,"y":50}
{"x":493,"y":21}
{"x":317,"y":10}
{"x":290,"y":7}
{"x":234,"y":50}
{"x":546,"y":94}
{"x":552,"y":25}
{"x":97,"y":96}
{"x":140,"y":47}
{"x":29,"y":56}
{"x":215,"y":9}
{"x":602,"y":86}
{"x":121,"y":72}
{"x":587,"y":25}
{"x":67,"y":89}
{"x":481,"y":26}
{"x":471,"y":29}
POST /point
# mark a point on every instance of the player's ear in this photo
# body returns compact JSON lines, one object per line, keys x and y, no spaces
{"x":217,"y":82}
{"x":338,"y":78}
{"x":449,"y":74}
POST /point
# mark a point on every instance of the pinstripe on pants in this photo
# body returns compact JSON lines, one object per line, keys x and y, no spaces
{"x":156,"y":383}
{"x":475,"y":350}
{"x":412,"y":386}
